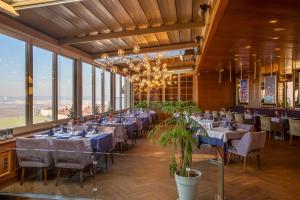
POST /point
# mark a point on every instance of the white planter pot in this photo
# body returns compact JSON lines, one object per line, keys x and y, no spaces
{"x":187,"y":186}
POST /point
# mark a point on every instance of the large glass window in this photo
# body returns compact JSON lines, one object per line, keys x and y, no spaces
{"x":87,"y":89}
{"x":127,"y":93}
{"x":42,"y":85}
{"x":118,"y":92}
{"x":12,"y":78}
{"x":98,"y":88}
{"x":107,"y":91}
{"x":65,"y":86}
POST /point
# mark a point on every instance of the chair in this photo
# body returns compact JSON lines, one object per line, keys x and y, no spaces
{"x":215,"y":115}
{"x":265,"y":125}
{"x":33,"y":152}
{"x":229,"y":115}
{"x":120,"y":135}
{"x":251,"y":144}
{"x":71,"y":154}
{"x":239,"y":118}
{"x":294,"y":128}
{"x":247,"y":127}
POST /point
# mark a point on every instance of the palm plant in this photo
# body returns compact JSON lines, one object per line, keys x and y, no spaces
{"x":180,"y":136}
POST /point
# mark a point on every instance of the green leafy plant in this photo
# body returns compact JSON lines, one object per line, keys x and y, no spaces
{"x":177,"y":132}
{"x":141,"y":104}
{"x":72,"y":113}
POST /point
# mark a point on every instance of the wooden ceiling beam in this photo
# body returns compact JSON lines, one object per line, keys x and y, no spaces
{"x":8,"y":9}
{"x":152,"y":49}
{"x":126,"y":33}
{"x":22,"y":5}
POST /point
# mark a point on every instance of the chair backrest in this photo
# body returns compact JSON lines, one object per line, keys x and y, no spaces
{"x":33,"y":150}
{"x":247,"y":127}
{"x":239,"y":118}
{"x":215,"y":114}
{"x":265,"y":123}
{"x":294,"y":127}
{"x":251,"y":142}
{"x":120,"y":132}
{"x":70,"y":151}
{"x":229,"y":115}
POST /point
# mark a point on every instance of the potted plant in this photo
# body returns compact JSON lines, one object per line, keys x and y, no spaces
{"x":180,"y":137}
{"x":72,"y":114}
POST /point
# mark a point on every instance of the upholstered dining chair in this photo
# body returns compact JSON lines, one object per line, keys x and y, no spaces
{"x":72,"y":154}
{"x":265,"y":125}
{"x":215,"y":115}
{"x":229,"y":116}
{"x":246,"y":127}
{"x":239,"y":118}
{"x":294,"y":128}
{"x":120,"y":135}
{"x":34,"y":153}
{"x":251,"y":144}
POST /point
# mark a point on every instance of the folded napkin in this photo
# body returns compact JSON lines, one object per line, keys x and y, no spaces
{"x":50,"y":133}
{"x":82,"y":134}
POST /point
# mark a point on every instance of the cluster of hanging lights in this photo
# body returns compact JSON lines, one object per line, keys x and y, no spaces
{"x":146,"y":73}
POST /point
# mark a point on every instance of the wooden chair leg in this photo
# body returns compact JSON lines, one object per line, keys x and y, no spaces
{"x":81,"y":178}
{"x":126,"y":146}
{"x":245,"y":164}
{"x":45,"y":176}
{"x":22,"y":175}
{"x":258,"y":160}
{"x":58,"y":175}
{"x":291,"y":138}
{"x":121,"y":146}
{"x":228,"y":159}
{"x":91,"y":171}
{"x":269,"y":135}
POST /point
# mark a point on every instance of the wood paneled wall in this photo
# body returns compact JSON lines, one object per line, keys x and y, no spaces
{"x":213,"y":95}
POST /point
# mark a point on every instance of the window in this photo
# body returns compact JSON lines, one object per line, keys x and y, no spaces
{"x":42,"y":85}
{"x":65,"y":81}
{"x":107,"y":91}
{"x":87,"y":89}
{"x":123,"y":92}
{"x":127,"y":93}
{"x":118,"y":93}
{"x":98,"y":89}
{"x":12,"y":87}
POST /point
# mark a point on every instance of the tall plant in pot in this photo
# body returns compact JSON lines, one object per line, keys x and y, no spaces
{"x":176,"y":132}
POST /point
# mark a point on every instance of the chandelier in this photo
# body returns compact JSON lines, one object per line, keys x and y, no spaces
{"x":145,"y":72}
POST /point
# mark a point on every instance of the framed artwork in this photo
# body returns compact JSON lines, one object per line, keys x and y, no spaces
{"x":270,"y":90}
{"x":244,"y":91}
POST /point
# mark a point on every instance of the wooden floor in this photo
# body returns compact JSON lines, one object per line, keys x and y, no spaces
{"x":142,"y":173}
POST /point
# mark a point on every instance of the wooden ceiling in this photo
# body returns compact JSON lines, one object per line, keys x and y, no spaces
{"x":254,"y":30}
{"x":98,"y":26}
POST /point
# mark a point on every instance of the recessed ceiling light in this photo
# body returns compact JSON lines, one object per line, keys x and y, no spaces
{"x":236,"y":55}
{"x":254,"y":55}
{"x":236,"y":59}
{"x":273,"y":21}
{"x":278,"y":56}
{"x":275,"y":38}
{"x":277,"y":49}
{"x":248,"y":47}
{"x":278,"y":29}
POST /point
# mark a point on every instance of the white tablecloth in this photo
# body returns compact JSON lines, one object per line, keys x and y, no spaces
{"x":225,"y":134}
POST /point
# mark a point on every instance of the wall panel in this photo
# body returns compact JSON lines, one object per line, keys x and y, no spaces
{"x":213,"y":95}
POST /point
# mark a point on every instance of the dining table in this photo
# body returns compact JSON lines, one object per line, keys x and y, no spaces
{"x":100,"y":142}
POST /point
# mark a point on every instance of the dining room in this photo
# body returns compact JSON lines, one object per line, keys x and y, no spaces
{"x":149,"y":99}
